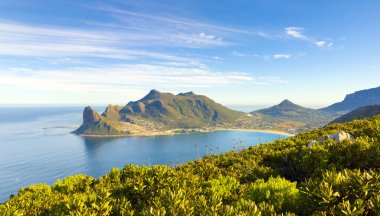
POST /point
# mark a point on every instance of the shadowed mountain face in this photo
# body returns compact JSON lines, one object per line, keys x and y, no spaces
{"x":359,"y":113}
{"x":158,"y":111}
{"x":356,"y":100}
{"x":288,"y":111}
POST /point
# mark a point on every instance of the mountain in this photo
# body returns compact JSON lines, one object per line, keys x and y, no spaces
{"x":359,"y":113}
{"x":355,"y":100}
{"x":155,"y":113}
{"x":289,"y":111}
{"x":94,"y":123}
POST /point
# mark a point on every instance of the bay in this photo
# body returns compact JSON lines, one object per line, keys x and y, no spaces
{"x":36,"y":146}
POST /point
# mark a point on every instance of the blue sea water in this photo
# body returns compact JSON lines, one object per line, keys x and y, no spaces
{"x":36,"y":146}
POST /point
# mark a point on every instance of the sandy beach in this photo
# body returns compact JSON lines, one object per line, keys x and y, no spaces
{"x":257,"y":130}
{"x":173,"y":133}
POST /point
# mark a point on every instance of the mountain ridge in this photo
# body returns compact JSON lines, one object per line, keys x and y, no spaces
{"x":355,"y":100}
{"x":358,"y":114}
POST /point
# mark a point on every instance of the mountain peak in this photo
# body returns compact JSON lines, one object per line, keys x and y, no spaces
{"x":90,"y":115}
{"x":190,"y":93}
{"x":287,"y":102}
{"x":153,"y":94}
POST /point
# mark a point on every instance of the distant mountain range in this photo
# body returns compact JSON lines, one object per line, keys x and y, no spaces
{"x":359,"y":113}
{"x":164,"y":113}
{"x":288,"y":111}
{"x":355,"y":100}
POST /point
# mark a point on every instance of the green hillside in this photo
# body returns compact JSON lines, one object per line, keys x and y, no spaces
{"x":157,"y":112}
{"x":183,"y":110}
{"x":359,"y":113}
{"x":282,"y":177}
{"x":288,"y":111}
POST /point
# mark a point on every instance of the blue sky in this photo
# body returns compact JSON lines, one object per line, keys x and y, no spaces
{"x":240,"y":53}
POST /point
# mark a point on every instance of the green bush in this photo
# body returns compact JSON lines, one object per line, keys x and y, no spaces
{"x":279,"y":192}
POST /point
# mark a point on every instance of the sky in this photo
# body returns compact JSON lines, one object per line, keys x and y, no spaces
{"x":237,"y":52}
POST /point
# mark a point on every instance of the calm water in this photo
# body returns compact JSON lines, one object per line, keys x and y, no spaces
{"x":36,"y":147}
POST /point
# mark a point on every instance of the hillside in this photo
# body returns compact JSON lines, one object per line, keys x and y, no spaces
{"x":287,"y":111}
{"x":355,"y":100}
{"x":282,"y":177}
{"x":359,"y":113}
{"x":156,"y":113}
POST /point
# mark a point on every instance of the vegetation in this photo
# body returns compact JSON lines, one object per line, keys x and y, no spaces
{"x":359,"y":113}
{"x":283,"y":177}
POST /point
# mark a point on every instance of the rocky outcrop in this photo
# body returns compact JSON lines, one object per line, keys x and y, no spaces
{"x":90,"y":116}
{"x":337,"y":137}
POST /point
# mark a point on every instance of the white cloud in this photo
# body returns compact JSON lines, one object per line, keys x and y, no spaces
{"x":210,"y":37}
{"x":169,"y":22}
{"x":118,"y":77}
{"x":324,"y":43}
{"x":122,"y":77}
{"x":35,"y":41}
{"x":217,"y":58}
{"x":296,"y":32}
{"x":282,"y":56}
{"x":267,"y":80}
{"x":238,"y":54}
{"x":320,"y":43}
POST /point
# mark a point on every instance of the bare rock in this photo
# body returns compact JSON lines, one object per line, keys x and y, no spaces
{"x":311,"y":143}
{"x":90,"y":116}
{"x":337,"y":137}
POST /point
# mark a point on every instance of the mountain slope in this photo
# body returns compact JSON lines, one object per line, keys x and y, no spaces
{"x":182,"y":110}
{"x":355,"y":100}
{"x":289,"y":111}
{"x":359,"y":113}
{"x":156,"y":112}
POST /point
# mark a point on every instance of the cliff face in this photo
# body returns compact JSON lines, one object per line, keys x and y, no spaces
{"x":96,"y":124}
{"x":90,"y":116}
{"x":356,"y":100}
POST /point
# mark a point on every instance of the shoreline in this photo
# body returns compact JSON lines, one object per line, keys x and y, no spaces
{"x":256,"y":130}
{"x":174,"y":134}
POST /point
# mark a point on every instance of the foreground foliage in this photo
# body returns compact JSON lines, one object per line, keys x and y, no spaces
{"x":282,"y":177}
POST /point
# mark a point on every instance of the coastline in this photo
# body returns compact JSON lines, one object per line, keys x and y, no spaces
{"x":257,"y":130}
{"x":171,"y":133}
